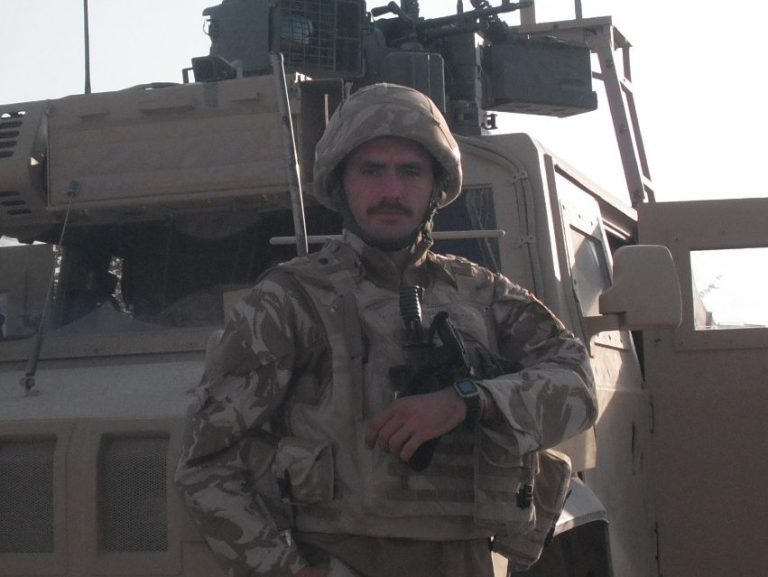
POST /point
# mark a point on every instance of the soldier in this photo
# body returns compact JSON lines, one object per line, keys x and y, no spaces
{"x":295,"y":459}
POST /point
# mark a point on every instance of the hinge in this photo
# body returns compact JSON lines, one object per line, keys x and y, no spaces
{"x":651,"y":415}
{"x":658,"y":549}
{"x":524,"y":240}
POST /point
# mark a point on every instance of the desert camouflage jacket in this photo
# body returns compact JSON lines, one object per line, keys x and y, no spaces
{"x":274,"y":339}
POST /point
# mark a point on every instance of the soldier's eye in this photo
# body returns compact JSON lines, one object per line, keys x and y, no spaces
{"x":411,"y":171}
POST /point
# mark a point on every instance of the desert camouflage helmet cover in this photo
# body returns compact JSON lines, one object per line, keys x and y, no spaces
{"x":386,"y":110}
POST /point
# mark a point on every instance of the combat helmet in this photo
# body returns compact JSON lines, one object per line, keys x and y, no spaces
{"x":386,"y":110}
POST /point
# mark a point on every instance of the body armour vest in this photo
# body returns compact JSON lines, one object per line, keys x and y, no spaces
{"x":471,"y":489}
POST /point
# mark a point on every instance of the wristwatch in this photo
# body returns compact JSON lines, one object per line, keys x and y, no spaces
{"x":467,"y":389}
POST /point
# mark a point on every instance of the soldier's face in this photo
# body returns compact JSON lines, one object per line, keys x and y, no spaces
{"x":388,"y":183}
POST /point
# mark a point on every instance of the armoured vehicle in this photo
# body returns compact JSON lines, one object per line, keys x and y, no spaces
{"x":143,"y":214}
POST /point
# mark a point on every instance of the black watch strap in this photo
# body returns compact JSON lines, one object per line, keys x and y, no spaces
{"x":467,"y":389}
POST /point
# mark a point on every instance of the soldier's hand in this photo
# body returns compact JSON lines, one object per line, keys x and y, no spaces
{"x":410,"y":421}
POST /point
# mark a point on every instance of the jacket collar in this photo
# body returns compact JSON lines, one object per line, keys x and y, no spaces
{"x":422,"y":269}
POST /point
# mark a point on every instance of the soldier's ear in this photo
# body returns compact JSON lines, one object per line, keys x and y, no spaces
{"x":441,"y":180}
{"x":438,"y":194}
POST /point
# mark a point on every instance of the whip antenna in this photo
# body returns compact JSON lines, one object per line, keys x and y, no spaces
{"x":87,"y":43}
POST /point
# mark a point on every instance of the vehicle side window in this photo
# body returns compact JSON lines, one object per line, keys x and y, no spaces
{"x":728,"y":289}
{"x":473,"y":210}
{"x":590,"y":271}
{"x":584,"y":234}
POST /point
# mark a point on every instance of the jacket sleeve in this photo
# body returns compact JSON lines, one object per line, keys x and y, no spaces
{"x":551,"y":397}
{"x":247,"y":373}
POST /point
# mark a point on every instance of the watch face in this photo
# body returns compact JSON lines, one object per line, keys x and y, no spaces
{"x":466,"y":387}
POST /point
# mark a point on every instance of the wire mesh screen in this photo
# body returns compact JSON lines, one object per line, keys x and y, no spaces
{"x":14,"y":200}
{"x":318,"y":36}
{"x":26,"y":496}
{"x":132,"y":494}
{"x":473,"y":210}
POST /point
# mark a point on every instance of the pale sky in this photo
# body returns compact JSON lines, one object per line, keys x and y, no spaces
{"x":697,"y":71}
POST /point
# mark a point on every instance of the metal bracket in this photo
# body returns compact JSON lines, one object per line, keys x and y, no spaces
{"x":524,"y":240}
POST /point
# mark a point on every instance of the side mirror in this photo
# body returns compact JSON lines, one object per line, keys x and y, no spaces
{"x":645,"y":293}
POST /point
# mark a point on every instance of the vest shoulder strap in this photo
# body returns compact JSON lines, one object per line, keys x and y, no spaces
{"x":327,"y":277}
{"x":470,"y":278}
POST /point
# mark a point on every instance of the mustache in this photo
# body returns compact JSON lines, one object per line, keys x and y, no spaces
{"x":388,"y":205}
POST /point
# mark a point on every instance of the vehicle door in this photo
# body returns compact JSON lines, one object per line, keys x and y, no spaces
{"x":708,"y":381}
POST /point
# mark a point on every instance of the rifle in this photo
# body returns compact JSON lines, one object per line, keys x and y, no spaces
{"x":429,"y":367}
{"x":483,"y":20}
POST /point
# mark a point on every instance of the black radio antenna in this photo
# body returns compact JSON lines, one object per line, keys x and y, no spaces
{"x":87,"y":43}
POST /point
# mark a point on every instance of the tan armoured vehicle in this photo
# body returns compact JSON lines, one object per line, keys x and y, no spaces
{"x":142,"y":214}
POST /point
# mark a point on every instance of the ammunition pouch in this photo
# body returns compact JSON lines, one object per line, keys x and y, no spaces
{"x":260,"y":450}
{"x":304,"y":470}
{"x":551,"y":483}
{"x":503,"y":482}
